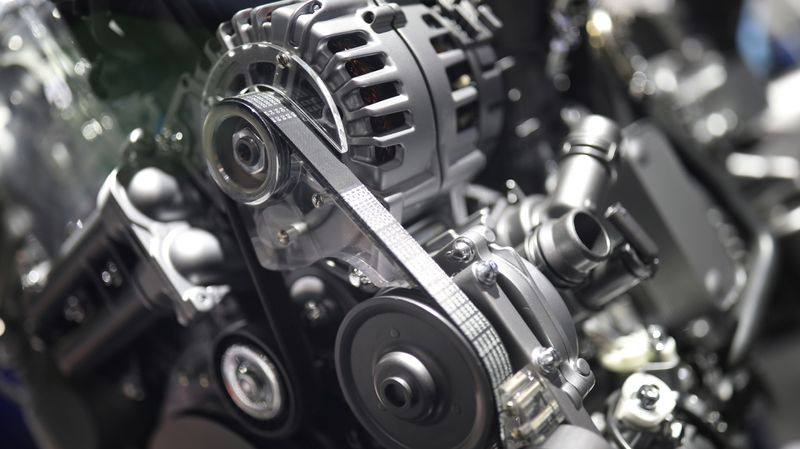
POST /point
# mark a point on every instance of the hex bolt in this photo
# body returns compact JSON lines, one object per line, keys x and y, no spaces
{"x":284,"y":60}
{"x":548,"y":359}
{"x":486,"y":272}
{"x":462,"y":250}
{"x":648,"y":396}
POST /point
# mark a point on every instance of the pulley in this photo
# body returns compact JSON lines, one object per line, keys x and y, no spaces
{"x":412,"y":378}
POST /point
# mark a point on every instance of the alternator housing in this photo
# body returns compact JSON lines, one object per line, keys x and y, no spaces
{"x":413,"y":92}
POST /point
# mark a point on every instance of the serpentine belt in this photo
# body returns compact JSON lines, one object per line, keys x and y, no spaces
{"x":380,"y":226}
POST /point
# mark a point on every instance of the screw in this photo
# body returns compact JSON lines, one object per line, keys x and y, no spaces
{"x":314,"y":311}
{"x":283,"y":237}
{"x":316,"y":7}
{"x":111,"y":276}
{"x":284,"y":59}
{"x":648,"y":396}
{"x":358,"y":279}
{"x":33,"y":280}
{"x":658,"y":337}
{"x":317,"y":200}
{"x":287,"y":235}
{"x":132,"y":391}
{"x":486,"y":272}
{"x":548,"y":359}
{"x":463,"y":250}
{"x":204,"y":381}
{"x":183,"y":380}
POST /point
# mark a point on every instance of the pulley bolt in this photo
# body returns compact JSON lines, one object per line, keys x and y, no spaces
{"x":548,"y":359}
{"x":648,"y":396}
{"x":486,"y":272}
{"x":248,"y":381}
{"x":463,"y":250}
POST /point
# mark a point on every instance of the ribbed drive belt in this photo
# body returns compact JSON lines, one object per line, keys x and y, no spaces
{"x":384,"y":231}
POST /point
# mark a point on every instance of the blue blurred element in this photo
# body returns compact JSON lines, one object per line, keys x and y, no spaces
{"x":14,"y":432}
{"x":753,"y":42}
{"x":766,"y":52}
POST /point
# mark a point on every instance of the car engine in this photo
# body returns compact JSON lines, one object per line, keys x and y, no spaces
{"x":363,"y":224}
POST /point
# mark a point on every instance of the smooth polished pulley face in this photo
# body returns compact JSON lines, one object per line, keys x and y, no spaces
{"x":254,"y":385}
{"x":252,"y":382}
{"x":411,"y":378}
{"x":243,"y":156}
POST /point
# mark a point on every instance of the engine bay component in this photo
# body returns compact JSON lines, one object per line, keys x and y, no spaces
{"x":569,"y":247}
{"x":645,"y":401}
{"x":412,"y":378}
{"x":252,"y":381}
{"x":358,"y":224}
{"x":272,"y":115}
{"x":588,"y":167}
{"x":378,"y":81}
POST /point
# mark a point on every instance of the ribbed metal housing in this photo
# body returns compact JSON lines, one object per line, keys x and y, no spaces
{"x":417,"y":89}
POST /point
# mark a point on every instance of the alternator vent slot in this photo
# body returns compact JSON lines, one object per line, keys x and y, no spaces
{"x":459,"y":75}
{"x":362,"y":66}
{"x":385,"y":124}
{"x":467,"y":116}
{"x":386,"y":154}
{"x":377,"y":155}
{"x":346,"y":42}
{"x":378,"y":92}
{"x":431,"y":21}
{"x":443,"y":43}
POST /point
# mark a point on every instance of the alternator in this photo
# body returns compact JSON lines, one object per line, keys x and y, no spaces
{"x":410,"y":95}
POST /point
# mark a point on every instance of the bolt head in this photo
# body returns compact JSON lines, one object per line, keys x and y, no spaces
{"x":283,"y":237}
{"x":462,"y":250}
{"x":317,"y":200}
{"x":548,"y":359}
{"x":486,"y":272}
{"x":314,"y":311}
{"x":111,"y":276}
{"x":648,"y":396}
{"x":583,"y":367}
{"x":284,"y":60}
